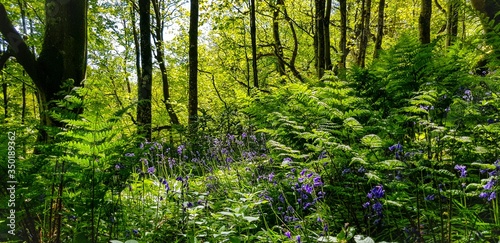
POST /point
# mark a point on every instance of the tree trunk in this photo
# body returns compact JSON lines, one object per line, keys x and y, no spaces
{"x":326,"y":30}
{"x":424,"y":21}
{"x":193,"y":68}
{"x":490,"y":8}
{"x":343,"y":37}
{"x":452,"y":22}
{"x":174,"y":120}
{"x":253,"y":36}
{"x":278,"y":48}
{"x":145,"y":83}
{"x":380,"y":29}
{"x":319,"y":37}
{"x":365,"y":32}
{"x":63,"y":56}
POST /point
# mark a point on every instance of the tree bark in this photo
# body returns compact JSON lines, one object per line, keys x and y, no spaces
{"x":278,"y":48}
{"x":145,"y":82}
{"x":193,"y":68}
{"x":343,"y":36}
{"x":365,"y":32}
{"x":326,"y":30}
{"x":253,"y":36}
{"x":452,"y":22}
{"x":380,"y":29}
{"x":63,"y":56}
{"x":424,"y":21}
{"x":319,"y":37}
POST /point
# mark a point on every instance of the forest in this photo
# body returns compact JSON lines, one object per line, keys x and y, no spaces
{"x":238,"y":121}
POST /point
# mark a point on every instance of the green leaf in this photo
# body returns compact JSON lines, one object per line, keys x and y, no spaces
{"x":250,"y":218}
{"x":363,"y":239}
{"x":372,"y":141}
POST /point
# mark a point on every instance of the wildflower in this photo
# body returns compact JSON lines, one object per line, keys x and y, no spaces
{"x":307,"y":205}
{"x":271,"y":176}
{"x":281,"y":198}
{"x":484,"y":195}
{"x":288,"y":234}
{"x":171,"y":162}
{"x":468,"y":95}
{"x":489,"y":185}
{"x":361,"y":170}
{"x":307,"y":188}
{"x":317,"y":181}
{"x":180,"y":149}
{"x":366,"y":204}
{"x":117,"y":166}
{"x":462,"y":169}
{"x":135,"y":231}
{"x":244,"y":135}
{"x":447,"y":109}
{"x":492,"y":196}
{"x":430,"y":197}
{"x":298,"y":239}
{"x":322,"y":155}
{"x":377,"y":207}
{"x":376,"y":193}
{"x":396,"y":147}
{"x":346,"y":171}
{"x":151,"y":170}
{"x":129,"y":155}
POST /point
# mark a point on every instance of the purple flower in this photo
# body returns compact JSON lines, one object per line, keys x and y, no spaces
{"x":271,"y":176}
{"x":484,"y":195}
{"x":281,"y":198}
{"x":492,"y":196}
{"x":322,"y":155}
{"x":377,"y":207}
{"x":129,"y":155}
{"x":298,"y":239}
{"x":462,"y":169}
{"x":151,"y":170}
{"x":288,"y":234}
{"x":430,"y":197}
{"x":489,"y":185}
{"x":366,"y":204}
{"x":180,"y":149}
{"x":307,"y":188}
{"x":377,"y":192}
{"x":317,"y":181}
{"x":396,"y":147}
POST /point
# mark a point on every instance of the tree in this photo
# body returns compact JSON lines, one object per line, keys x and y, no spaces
{"x":253,"y":36}
{"x":193,"y":67}
{"x":145,"y":82}
{"x":452,"y":21}
{"x":343,"y":36}
{"x":365,"y":32}
{"x":159,"y":26}
{"x":380,"y":29}
{"x":63,"y":57}
{"x":322,"y":36}
{"x":278,"y":48}
{"x":424,"y":21}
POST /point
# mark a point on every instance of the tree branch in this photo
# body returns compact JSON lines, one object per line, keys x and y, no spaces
{"x":17,"y":45}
